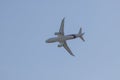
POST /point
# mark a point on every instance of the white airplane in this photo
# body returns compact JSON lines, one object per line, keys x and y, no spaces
{"x":61,"y":38}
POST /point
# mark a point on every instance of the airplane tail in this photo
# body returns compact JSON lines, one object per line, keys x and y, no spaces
{"x":81,"y":34}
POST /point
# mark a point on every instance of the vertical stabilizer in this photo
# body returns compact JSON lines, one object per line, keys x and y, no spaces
{"x":81,"y":34}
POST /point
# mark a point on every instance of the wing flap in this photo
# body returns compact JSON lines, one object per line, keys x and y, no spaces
{"x":62,"y":27}
{"x":67,"y":48}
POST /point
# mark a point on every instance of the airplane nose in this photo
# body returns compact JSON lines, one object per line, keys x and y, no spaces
{"x":47,"y":41}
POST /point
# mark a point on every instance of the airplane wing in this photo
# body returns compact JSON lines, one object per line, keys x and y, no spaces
{"x":67,"y":48}
{"x":62,"y":27}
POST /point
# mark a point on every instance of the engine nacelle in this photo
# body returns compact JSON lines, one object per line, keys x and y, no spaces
{"x":57,"y":33}
{"x":60,"y":45}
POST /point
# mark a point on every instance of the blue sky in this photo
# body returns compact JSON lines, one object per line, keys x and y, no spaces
{"x":26,"y":24}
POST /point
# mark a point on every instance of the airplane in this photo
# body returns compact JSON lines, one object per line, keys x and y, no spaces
{"x":61,"y":38}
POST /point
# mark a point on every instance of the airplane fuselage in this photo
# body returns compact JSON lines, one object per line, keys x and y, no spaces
{"x":62,"y":38}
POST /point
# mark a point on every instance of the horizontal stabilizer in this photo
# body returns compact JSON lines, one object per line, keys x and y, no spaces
{"x":81,"y":34}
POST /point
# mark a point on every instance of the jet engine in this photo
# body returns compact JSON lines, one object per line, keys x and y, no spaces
{"x":57,"y":33}
{"x":60,"y":45}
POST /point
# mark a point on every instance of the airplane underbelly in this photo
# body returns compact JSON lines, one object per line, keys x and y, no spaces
{"x":59,"y":39}
{"x":51,"y":40}
{"x":55,"y":39}
{"x":67,"y":37}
